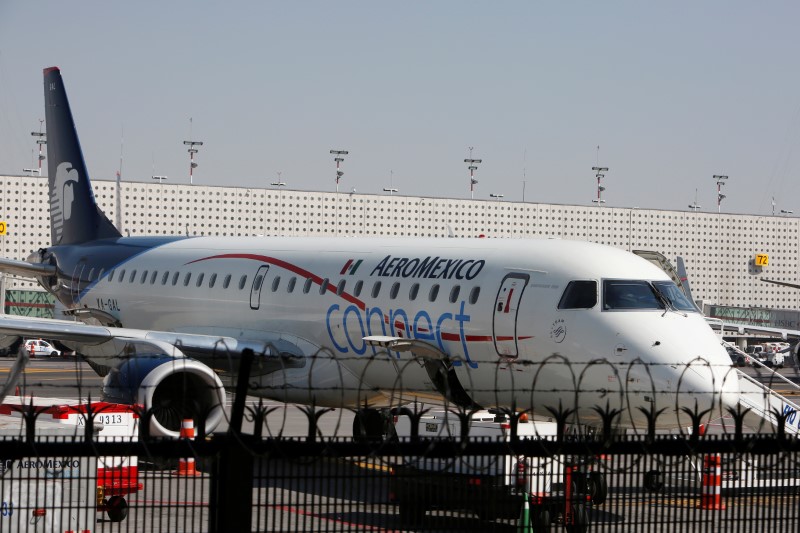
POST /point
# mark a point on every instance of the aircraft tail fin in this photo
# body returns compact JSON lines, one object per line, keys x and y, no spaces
{"x":74,"y":214}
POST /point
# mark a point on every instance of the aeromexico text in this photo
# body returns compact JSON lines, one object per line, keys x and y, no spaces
{"x":436,"y":267}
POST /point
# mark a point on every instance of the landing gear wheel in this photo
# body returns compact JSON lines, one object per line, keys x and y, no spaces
{"x":598,"y":487}
{"x":117,"y":508}
{"x":542,"y":522}
{"x":653,"y":480}
{"x":580,"y":519}
{"x":411,"y":513}
{"x":368,"y":425}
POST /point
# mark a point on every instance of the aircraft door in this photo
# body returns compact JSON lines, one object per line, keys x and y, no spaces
{"x":258,"y":284}
{"x":75,"y":284}
{"x":506,"y":309}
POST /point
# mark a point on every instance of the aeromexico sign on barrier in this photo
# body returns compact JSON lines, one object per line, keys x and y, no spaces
{"x":772,"y":318}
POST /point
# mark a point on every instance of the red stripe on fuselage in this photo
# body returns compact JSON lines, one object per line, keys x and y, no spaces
{"x":291,"y":268}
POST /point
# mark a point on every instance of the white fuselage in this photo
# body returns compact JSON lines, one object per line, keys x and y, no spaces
{"x":495,"y":315}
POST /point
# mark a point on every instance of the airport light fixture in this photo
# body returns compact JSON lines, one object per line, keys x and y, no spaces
{"x":390,"y":189}
{"x":41,"y":141}
{"x":472,"y":166}
{"x":695,"y":206}
{"x":339,"y":159}
{"x":720,"y":179}
{"x":786,"y":211}
{"x":496,"y":196}
{"x":192,"y":150}
{"x":599,"y":175}
{"x":160,"y":179}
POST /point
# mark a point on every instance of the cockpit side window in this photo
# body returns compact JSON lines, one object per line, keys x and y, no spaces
{"x":629,"y":294}
{"x":579,"y":294}
{"x":675,"y":295}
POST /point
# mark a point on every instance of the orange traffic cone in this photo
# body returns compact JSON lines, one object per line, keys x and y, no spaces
{"x":186,"y":466}
{"x":711,"y":496}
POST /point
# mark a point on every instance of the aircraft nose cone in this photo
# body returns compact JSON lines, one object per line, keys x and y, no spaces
{"x":709,"y":388}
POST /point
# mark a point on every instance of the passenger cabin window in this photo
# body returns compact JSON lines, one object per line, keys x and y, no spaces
{"x":474,"y":294}
{"x":200,"y":279}
{"x":111,"y":275}
{"x":100,"y":274}
{"x":323,"y":287}
{"x":307,"y":286}
{"x":227,"y":281}
{"x":413,"y":291}
{"x":91,"y":274}
{"x":212,"y":281}
{"x":434,"y":292}
{"x":579,"y":294}
{"x":276,"y":283}
{"x":243,"y":282}
{"x":186,"y":279}
{"x":175,"y":277}
{"x":144,"y":277}
{"x":291,"y":284}
{"x":153,"y":277}
{"x":454,"y":293}
{"x":357,"y":289}
{"x":625,"y":295}
{"x":340,"y":288}
{"x":395,"y":290}
{"x":133,"y":277}
{"x":122,"y":275}
{"x":376,"y":289}
{"x":165,"y":277}
{"x":257,"y":282}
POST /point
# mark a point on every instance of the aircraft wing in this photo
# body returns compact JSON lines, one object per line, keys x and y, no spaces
{"x":99,"y":341}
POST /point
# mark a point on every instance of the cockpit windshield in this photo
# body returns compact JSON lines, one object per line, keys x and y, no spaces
{"x":626,"y":294}
{"x":641,"y":295}
{"x":675,"y":295}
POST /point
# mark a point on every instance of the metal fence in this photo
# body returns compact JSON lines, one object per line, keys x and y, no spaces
{"x":445,"y":475}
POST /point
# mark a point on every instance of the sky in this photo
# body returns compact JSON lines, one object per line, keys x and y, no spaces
{"x":664,"y":94}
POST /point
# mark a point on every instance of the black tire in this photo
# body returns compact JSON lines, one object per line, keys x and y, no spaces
{"x":368,"y":425}
{"x":117,"y":508}
{"x":653,"y":481}
{"x":598,"y":488}
{"x":542,"y":521}
{"x":580,"y":519}
{"x":411,"y":513}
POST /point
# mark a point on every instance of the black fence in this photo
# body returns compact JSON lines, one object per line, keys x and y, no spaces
{"x":451,"y":470}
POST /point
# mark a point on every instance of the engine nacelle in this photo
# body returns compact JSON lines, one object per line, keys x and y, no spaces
{"x":172,"y":388}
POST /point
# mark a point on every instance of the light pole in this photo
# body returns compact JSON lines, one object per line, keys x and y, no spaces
{"x":279,"y":184}
{"x":339,"y":159}
{"x":472,"y":165}
{"x":192,"y":150}
{"x":41,"y":141}
{"x":695,"y":206}
{"x":391,"y":190}
{"x":339,"y":173}
{"x":599,"y":175}
{"x":720,"y":179}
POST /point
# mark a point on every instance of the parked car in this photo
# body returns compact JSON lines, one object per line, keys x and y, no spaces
{"x":38,"y":347}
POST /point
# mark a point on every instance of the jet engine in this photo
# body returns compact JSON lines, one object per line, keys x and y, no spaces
{"x":170,"y":389}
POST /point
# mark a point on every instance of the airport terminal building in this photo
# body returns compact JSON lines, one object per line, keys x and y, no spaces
{"x":719,"y":249}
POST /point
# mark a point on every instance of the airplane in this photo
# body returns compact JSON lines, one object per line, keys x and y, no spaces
{"x":538,"y":325}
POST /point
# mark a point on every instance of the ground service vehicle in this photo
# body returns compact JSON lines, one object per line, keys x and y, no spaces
{"x":494,"y":487}
{"x":38,"y":347}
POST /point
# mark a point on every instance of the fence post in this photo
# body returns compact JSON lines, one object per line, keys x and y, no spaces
{"x":232,"y":470}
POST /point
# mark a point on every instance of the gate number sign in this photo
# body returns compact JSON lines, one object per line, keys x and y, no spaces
{"x":3,"y":228}
{"x":762,"y":259}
